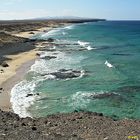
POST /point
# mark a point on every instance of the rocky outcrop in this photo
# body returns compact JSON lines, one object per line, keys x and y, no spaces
{"x":32,"y":33}
{"x":102,"y":96}
{"x":71,"y":126}
{"x":128,"y":89}
{"x":4,"y":64}
{"x":8,"y":38}
{"x":66,"y":74}
{"x":50,"y":40}
{"x":48,"y":57}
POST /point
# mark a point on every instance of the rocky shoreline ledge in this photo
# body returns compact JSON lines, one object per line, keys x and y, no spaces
{"x":71,"y":126}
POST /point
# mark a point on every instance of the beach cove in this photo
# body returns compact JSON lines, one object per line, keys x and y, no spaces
{"x":17,"y":34}
{"x":89,"y":72}
{"x":23,"y":57}
{"x":57,"y":63}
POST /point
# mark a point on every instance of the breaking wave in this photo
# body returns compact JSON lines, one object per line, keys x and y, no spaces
{"x":108,"y":64}
{"x":81,"y":43}
{"x":19,"y":100}
{"x":82,"y":99}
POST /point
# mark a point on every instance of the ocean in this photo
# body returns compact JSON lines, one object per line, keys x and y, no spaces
{"x":91,"y":67}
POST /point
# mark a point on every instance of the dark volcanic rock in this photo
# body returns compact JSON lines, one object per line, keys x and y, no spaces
{"x":128,"y":89}
{"x":66,"y":74}
{"x":37,"y":54}
{"x":60,"y":75}
{"x":4,"y":64}
{"x":67,"y":44}
{"x":71,"y":126}
{"x":28,"y":95}
{"x":65,"y":70}
{"x":31,"y":33}
{"x":101,"y":96}
{"x":1,"y":71}
{"x":50,"y":40}
{"x":49,"y":57}
{"x":121,"y":54}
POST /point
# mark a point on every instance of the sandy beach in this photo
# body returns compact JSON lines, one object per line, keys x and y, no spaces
{"x":29,"y":34}
{"x":11,"y":75}
{"x":19,"y":64}
{"x":18,"y":50}
{"x":19,"y":60}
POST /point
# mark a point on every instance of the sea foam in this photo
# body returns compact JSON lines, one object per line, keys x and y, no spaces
{"x":108,"y":64}
{"x":69,"y":27}
{"x":90,"y":48}
{"x":77,"y":101}
{"x":81,"y":43}
{"x":50,"y":33}
{"x":19,"y":100}
{"x":85,"y":45}
{"x":81,"y":99}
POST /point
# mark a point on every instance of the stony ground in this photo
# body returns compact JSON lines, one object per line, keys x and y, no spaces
{"x":72,"y":126}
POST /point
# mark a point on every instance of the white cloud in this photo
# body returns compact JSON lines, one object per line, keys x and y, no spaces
{"x":25,"y":14}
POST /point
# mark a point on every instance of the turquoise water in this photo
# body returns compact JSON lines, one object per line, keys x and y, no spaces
{"x":109,"y":66}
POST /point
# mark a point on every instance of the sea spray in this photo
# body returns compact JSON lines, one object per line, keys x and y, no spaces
{"x":108,"y":64}
{"x":83,"y":43}
{"x":19,"y":100}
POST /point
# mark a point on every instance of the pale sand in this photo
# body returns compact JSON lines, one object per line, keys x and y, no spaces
{"x":29,"y":34}
{"x":18,"y":66}
{"x":12,"y":74}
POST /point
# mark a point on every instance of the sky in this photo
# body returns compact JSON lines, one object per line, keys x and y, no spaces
{"x":107,"y":9}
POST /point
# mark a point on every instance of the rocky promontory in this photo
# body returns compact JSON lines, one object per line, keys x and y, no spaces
{"x":71,"y":126}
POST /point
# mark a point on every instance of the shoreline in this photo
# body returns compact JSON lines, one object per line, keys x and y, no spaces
{"x":83,"y":124}
{"x":14,"y":73}
{"x":29,"y":34}
{"x":11,"y":82}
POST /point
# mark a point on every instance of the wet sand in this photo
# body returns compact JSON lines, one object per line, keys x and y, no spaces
{"x":13,"y":74}
{"x":19,"y":64}
{"x":19,"y":61}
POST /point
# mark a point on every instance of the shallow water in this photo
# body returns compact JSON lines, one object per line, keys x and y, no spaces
{"x":107,"y":56}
